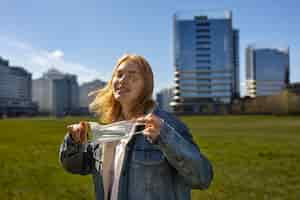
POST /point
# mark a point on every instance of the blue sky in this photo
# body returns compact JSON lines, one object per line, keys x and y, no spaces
{"x":86,"y":37}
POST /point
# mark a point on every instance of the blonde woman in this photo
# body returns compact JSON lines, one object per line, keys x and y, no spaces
{"x":162,"y":163}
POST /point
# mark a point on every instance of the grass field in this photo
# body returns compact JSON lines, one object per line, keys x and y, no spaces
{"x":254,"y":157}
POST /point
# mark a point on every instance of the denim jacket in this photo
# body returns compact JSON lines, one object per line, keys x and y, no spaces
{"x":168,"y":169}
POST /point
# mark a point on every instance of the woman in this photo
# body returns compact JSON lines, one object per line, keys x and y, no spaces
{"x":162,"y":163}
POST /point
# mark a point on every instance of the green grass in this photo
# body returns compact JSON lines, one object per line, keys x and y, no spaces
{"x":254,"y":157}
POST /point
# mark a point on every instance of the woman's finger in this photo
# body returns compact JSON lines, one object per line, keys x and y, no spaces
{"x":75,"y":132}
{"x":150,"y":134}
{"x":82,"y":133}
{"x":149,"y":130}
{"x":141,"y":120}
{"x":70,"y":128}
{"x":147,"y":119}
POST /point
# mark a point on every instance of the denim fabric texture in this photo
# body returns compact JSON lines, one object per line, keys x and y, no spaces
{"x":166,"y":170}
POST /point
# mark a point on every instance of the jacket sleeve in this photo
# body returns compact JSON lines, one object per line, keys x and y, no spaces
{"x":184,"y":155}
{"x":76,"y":158}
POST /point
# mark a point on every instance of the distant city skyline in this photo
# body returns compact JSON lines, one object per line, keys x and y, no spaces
{"x":87,"y":39}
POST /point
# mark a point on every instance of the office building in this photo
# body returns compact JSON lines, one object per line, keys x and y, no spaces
{"x":56,"y":93}
{"x":15,"y":90}
{"x":267,"y":70}
{"x":206,"y":58}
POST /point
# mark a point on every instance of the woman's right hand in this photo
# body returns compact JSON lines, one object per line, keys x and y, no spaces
{"x":79,"y":132}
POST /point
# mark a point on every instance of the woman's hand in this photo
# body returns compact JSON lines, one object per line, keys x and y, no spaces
{"x":153,"y":125}
{"x":79,"y":132}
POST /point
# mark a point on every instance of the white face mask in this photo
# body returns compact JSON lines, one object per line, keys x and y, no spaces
{"x":114,"y":131}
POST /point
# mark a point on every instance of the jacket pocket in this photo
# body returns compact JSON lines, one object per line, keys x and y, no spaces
{"x":149,"y":156}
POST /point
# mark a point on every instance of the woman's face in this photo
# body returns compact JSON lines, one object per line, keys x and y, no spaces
{"x":128,"y":83}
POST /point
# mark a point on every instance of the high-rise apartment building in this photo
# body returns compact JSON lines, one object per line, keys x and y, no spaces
{"x":15,"y":89}
{"x":206,"y":57}
{"x":56,"y":93}
{"x":267,"y":70}
{"x":15,"y":82}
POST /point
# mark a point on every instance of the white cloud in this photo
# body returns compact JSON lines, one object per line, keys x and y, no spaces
{"x":57,"y":54}
{"x":37,"y":61}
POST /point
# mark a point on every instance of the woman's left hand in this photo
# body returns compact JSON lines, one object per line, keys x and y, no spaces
{"x":153,"y":125}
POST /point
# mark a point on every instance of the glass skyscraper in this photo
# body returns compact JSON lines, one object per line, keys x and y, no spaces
{"x":267,"y":70}
{"x":206,"y":49}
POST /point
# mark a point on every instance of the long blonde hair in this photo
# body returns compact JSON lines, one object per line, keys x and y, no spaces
{"x":108,"y":108}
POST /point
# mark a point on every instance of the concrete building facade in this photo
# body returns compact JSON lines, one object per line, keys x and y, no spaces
{"x":56,"y":93}
{"x":15,"y":90}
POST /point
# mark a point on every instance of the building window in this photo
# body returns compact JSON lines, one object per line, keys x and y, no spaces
{"x":203,"y":61}
{"x":202,"y":30}
{"x":202,"y":48}
{"x":202,"y":68}
{"x":203,"y":73}
{"x":202,"y":24}
{"x":201,"y":17}
{"x":203,"y":37}
{"x":203,"y":42}
{"x":204,"y":45}
{"x":202,"y":55}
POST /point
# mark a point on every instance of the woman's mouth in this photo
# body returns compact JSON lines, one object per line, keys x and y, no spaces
{"x":122,"y":90}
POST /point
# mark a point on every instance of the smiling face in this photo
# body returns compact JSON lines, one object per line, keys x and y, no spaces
{"x":128,"y":83}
